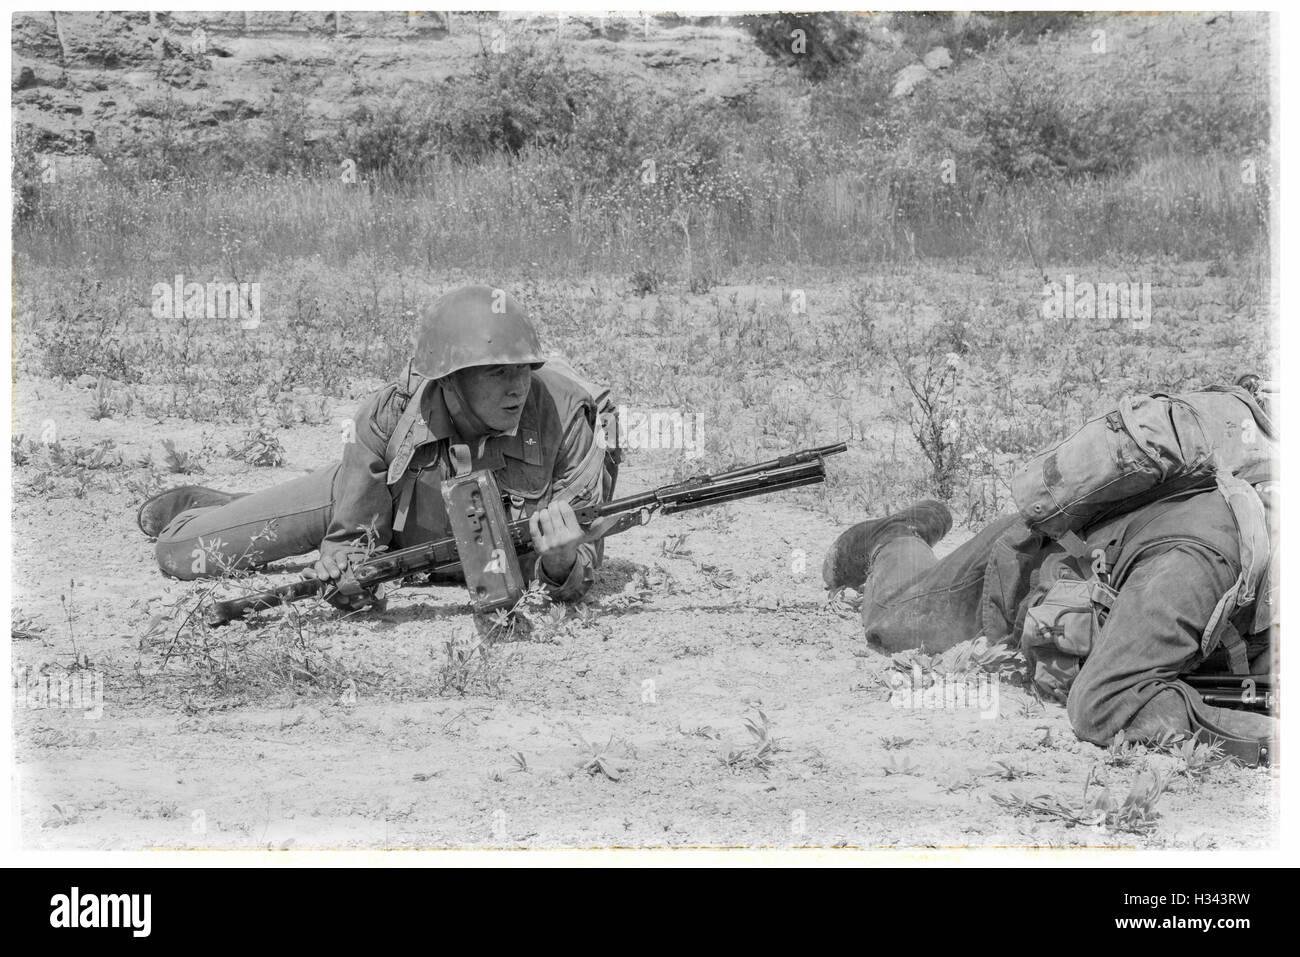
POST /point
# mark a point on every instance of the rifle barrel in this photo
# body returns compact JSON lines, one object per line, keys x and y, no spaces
{"x":802,"y":457}
{"x":807,"y":458}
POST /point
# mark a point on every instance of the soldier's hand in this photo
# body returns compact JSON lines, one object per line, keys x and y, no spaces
{"x":334,"y":566}
{"x":556,"y":537}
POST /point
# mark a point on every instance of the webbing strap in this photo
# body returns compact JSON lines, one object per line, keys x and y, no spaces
{"x":458,"y":455}
{"x":401,"y":444}
{"x":1252,"y":532}
{"x":403,"y":506}
{"x":1249,"y":751}
{"x":1253,"y":542}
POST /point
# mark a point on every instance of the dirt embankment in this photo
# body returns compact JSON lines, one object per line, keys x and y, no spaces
{"x":88,"y":79}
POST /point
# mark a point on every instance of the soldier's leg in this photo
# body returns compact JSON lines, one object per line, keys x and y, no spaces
{"x":913,"y":600}
{"x":279,"y":522}
{"x":1129,"y":682}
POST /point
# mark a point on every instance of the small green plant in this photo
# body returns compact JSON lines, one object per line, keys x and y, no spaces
{"x":468,"y":662}
{"x":1136,"y":813}
{"x":900,"y":765}
{"x":259,"y":447}
{"x":534,"y":617}
{"x":1121,"y":753}
{"x":595,"y":758}
{"x":102,"y":455}
{"x":1007,"y":771}
{"x":931,"y":378}
{"x":178,"y":462}
{"x":41,"y":483}
{"x":893,"y":743}
{"x":82,"y":480}
{"x":1197,"y":755}
{"x":104,"y":406}
{"x":758,"y":754}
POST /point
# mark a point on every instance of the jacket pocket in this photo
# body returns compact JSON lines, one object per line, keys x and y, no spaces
{"x":527,"y":485}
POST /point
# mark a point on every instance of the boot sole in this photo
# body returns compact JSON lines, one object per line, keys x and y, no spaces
{"x":139,"y":514}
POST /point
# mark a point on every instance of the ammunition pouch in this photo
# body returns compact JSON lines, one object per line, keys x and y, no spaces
{"x":1059,"y":632}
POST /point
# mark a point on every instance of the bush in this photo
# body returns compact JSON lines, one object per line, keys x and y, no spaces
{"x":515,"y":100}
{"x":966,"y":34}
{"x":829,"y":41}
{"x":1016,"y":123}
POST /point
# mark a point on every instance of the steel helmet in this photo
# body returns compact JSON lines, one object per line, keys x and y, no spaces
{"x":474,"y":326}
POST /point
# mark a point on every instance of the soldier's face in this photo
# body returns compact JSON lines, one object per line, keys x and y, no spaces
{"x":496,"y":394}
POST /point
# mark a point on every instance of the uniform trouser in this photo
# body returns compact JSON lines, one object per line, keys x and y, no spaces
{"x":275,"y":523}
{"x":913,"y":600}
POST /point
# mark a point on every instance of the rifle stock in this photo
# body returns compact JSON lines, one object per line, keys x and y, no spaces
{"x":797,"y":469}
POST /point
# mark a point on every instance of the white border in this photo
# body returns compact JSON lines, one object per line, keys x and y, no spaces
{"x":1287,"y":38}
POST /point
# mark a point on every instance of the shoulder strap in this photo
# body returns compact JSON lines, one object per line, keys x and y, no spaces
{"x":1255,"y":549}
{"x":401,"y":443}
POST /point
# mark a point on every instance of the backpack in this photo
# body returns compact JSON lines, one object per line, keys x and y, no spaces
{"x":1149,"y":448}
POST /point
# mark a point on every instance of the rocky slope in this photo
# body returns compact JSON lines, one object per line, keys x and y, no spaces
{"x":88,"y":78}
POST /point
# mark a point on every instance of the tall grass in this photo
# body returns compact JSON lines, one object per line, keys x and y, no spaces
{"x":503,"y":214}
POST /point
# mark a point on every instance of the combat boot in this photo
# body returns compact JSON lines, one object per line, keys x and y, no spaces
{"x":849,"y":560}
{"x":157,"y":512}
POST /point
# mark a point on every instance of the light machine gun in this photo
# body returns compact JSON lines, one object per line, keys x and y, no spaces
{"x":486,"y":546}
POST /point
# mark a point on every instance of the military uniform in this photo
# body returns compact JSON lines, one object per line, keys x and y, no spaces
{"x":1169,"y":564}
{"x":553,"y":456}
{"x":405,"y":442}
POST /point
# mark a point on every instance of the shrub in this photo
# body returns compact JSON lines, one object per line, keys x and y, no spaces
{"x":829,"y":41}
{"x":966,"y":34}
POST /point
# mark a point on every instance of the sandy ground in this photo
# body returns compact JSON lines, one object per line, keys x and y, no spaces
{"x":660,"y":681}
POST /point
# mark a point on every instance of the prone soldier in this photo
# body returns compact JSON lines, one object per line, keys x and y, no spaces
{"x":1179,"y":580}
{"x":477,"y":394}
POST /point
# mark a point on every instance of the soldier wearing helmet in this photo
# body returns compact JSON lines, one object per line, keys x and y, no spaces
{"x":477,"y":394}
